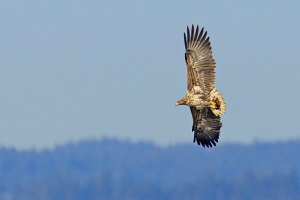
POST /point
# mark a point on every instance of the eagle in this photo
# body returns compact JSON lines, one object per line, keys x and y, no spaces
{"x":205,"y":101}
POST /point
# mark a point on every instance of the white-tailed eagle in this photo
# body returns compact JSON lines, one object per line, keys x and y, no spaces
{"x":205,"y":101}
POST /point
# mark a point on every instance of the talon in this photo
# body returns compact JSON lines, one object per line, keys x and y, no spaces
{"x":213,"y":104}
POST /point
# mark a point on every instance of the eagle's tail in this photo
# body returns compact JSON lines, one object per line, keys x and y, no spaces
{"x":217,"y":98}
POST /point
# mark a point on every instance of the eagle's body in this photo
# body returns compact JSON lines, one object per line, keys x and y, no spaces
{"x":204,"y":100}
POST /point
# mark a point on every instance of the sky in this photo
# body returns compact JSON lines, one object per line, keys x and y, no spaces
{"x":77,"y":70}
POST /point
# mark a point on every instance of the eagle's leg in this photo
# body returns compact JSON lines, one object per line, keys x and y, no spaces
{"x":213,"y":104}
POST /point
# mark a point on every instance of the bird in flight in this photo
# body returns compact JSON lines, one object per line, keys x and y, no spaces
{"x":205,"y":101}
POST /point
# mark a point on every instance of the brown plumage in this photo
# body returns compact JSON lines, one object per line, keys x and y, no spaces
{"x":204,"y":100}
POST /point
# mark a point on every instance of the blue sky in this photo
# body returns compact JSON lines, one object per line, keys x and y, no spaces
{"x":73,"y":70}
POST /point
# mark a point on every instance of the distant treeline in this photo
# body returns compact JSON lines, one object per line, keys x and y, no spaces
{"x":112,"y":169}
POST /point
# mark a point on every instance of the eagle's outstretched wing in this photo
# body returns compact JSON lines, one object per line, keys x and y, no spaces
{"x":199,"y":61}
{"x":206,"y":127}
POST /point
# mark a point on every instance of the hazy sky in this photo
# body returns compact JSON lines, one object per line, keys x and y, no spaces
{"x":73,"y":70}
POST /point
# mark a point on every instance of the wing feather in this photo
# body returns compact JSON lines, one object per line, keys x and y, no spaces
{"x":195,"y":37}
{"x":199,"y":61}
{"x":188,"y":35}
{"x":185,"y":42}
{"x":206,"y":127}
